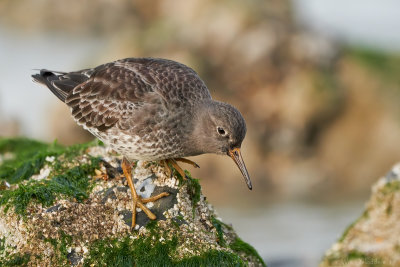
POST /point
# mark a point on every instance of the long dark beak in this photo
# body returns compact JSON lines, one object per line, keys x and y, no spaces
{"x":237,"y":157}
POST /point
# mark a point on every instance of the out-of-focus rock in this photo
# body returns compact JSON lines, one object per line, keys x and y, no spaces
{"x":372,"y":240}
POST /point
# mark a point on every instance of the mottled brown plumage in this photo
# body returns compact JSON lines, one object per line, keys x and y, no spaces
{"x":150,"y":109}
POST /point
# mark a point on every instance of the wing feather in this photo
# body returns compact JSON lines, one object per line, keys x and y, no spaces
{"x":114,"y":93}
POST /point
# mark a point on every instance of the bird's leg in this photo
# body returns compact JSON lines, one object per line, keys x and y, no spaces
{"x":174,"y":163}
{"x":166,"y":166}
{"x":188,"y":161}
{"x":137,"y":201}
{"x":177,"y":167}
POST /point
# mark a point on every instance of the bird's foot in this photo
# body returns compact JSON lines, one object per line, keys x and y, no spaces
{"x":188,"y":161}
{"x":174,"y":164}
{"x":137,"y":201}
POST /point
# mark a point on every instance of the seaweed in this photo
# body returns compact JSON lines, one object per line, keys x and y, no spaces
{"x":220,"y":234}
{"x":29,"y":156}
{"x":194,"y":190}
{"x":238,"y":245}
{"x":61,"y":245}
{"x":74,"y":183}
{"x":149,"y":251}
{"x":16,"y":260}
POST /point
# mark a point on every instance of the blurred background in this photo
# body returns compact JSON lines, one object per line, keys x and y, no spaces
{"x":318,"y":83}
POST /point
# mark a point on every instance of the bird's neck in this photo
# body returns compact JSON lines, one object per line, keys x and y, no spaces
{"x":198,"y":137}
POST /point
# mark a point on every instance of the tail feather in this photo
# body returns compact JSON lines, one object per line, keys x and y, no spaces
{"x":60,"y":83}
{"x":48,"y":78}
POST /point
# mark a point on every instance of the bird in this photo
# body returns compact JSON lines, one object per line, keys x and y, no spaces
{"x":150,"y":109}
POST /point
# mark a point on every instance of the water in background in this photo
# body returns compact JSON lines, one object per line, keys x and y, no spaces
{"x":292,"y":234}
{"x":358,"y":22}
{"x":22,"y":54}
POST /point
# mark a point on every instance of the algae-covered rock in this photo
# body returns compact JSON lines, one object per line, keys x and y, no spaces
{"x":374,"y":238}
{"x":72,"y":207}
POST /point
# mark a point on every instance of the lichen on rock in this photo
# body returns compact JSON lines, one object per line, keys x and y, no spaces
{"x":74,"y":209}
{"x":374,"y":238}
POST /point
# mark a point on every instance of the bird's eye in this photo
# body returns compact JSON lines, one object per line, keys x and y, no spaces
{"x":221,"y":131}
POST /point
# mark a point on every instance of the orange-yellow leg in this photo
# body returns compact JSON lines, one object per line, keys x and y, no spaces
{"x":166,"y":166}
{"x":137,"y":201}
{"x":188,"y":161}
{"x":174,"y":163}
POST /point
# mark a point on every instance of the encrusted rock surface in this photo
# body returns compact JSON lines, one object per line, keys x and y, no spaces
{"x":373,"y":239}
{"x":95,"y":230}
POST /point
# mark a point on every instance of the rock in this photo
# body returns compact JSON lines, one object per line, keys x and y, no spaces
{"x":75,"y":210}
{"x":374,"y":238}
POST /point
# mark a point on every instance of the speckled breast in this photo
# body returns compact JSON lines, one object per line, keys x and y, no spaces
{"x":153,"y":146}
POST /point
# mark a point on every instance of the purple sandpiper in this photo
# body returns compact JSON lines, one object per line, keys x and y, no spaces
{"x":150,"y":109}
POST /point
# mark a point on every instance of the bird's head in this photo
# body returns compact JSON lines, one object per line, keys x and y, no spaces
{"x":221,"y":129}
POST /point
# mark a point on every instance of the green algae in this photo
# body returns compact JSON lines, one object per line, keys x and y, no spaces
{"x":194,"y":190}
{"x":74,"y":183}
{"x":388,"y":192}
{"x":239,"y":246}
{"x":127,"y":252}
{"x":193,"y":187}
{"x":16,"y":260}
{"x":220,"y":233}
{"x":149,"y":251}
{"x":20,"y":145}
{"x":354,"y":255}
{"x":212,"y":258}
{"x":60,"y":245}
{"x":365,"y":215}
{"x":13,"y":260}
{"x":391,"y":187}
{"x":29,"y":158}
{"x":2,"y":245}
